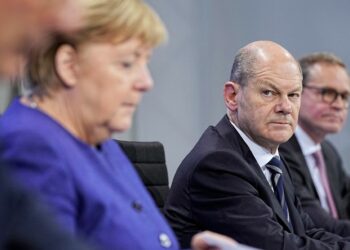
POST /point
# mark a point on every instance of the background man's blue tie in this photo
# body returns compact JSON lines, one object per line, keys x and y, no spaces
{"x":278,"y":183}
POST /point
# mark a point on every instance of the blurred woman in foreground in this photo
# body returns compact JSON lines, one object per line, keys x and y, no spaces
{"x":84,"y":87}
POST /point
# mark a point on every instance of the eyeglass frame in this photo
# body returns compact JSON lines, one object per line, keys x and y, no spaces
{"x":345,"y":96}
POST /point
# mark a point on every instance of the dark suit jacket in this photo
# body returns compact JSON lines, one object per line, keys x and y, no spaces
{"x":25,"y":225}
{"x":220,"y":187}
{"x":305,"y":189}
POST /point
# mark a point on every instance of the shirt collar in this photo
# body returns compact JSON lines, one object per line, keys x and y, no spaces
{"x":261,"y":154}
{"x":307,"y":145}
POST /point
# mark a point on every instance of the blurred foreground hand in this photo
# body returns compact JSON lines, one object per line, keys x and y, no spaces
{"x":25,"y":23}
{"x":212,"y":241}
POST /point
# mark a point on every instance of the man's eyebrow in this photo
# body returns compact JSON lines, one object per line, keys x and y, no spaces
{"x":297,"y":88}
{"x":264,"y":83}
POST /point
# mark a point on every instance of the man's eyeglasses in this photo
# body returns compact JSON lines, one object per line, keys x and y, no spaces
{"x":330,"y":95}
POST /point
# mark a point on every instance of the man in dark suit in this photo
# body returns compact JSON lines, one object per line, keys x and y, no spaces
{"x":324,"y":190}
{"x":233,"y":181}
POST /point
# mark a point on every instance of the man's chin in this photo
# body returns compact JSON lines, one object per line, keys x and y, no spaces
{"x":333,"y":129}
{"x":282,"y":137}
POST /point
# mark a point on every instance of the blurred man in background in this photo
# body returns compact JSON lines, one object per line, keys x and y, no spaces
{"x":316,"y":167}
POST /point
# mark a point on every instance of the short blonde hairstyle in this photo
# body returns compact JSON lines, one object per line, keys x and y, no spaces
{"x":104,"y":20}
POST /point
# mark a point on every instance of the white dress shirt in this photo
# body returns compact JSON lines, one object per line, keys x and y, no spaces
{"x":261,"y":155}
{"x":308,"y":147}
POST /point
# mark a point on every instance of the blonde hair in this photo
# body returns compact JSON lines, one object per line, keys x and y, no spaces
{"x":104,"y":20}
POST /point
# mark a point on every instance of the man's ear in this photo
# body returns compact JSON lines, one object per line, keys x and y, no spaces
{"x":65,"y":64}
{"x":230,"y":95}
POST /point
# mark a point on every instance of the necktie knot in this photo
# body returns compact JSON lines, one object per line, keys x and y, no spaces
{"x":274,"y":165}
{"x":318,"y":158}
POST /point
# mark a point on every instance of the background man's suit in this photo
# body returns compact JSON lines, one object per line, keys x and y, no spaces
{"x":338,"y":180}
{"x":220,"y":187}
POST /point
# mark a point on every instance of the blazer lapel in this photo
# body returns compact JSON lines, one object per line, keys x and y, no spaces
{"x":329,"y":163}
{"x":230,"y":134}
{"x":294,"y":153}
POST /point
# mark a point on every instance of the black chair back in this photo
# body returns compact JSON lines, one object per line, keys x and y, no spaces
{"x":149,"y":161}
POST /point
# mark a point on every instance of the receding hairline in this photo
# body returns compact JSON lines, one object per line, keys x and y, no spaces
{"x":249,"y":57}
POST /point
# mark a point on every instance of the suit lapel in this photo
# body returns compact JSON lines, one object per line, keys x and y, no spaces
{"x":229,"y":134}
{"x":329,"y":167}
{"x":296,"y":154}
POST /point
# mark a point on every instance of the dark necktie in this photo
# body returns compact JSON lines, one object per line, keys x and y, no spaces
{"x":324,"y":180}
{"x":278,"y":183}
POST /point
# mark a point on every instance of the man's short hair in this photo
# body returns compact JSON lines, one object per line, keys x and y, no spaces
{"x":308,"y":61}
{"x":243,"y":66}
